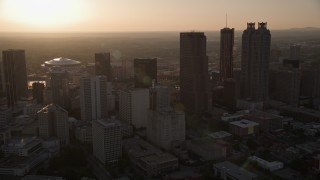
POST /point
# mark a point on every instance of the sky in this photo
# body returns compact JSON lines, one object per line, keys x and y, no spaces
{"x":154,"y":15}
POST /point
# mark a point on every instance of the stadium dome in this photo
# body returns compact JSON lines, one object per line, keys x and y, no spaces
{"x":63,"y":62}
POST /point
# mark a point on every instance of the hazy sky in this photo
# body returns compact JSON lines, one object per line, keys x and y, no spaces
{"x":154,"y":15}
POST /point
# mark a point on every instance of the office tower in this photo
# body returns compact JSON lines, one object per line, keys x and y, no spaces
{"x":103,"y":65}
{"x":5,"y":117}
{"x":226,"y":53}
{"x":295,"y":51}
{"x":53,"y":121}
{"x":255,"y":62}
{"x":59,"y":87}
{"x":165,"y":125}
{"x":111,"y":98}
{"x":287,"y":86}
{"x":107,"y":141}
{"x":194,"y":72}
{"x":310,"y":84}
{"x":93,"y":98}
{"x":133,"y":107}
{"x":37,"y":92}
{"x":15,"y":75}
{"x":145,"y":72}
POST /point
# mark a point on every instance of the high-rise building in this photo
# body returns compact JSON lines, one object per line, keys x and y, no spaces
{"x":107,"y":141}
{"x":93,"y":98}
{"x":255,"y":62}
{"x":37,"y":92}
{"x":194,"y":72}
{"x":15,"y":75}
{"x":103,"y":65}
{"x":295,"y":51}
{"x":59,"y":87}
{"x":165,"y":125}
{"x":133,"y":106}
{"x":145,"y":72}
{"x":53,"y":121}
{"x":226,"y":53}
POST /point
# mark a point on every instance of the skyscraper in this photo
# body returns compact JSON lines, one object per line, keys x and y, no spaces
{"x":226,"y":53}
{"x":59,"y":87}
{"x":295,"y":52}
{"x":107,"y":140}
{"x":15,"y":75}
{"x":37,"y":92}
{"x":145,"y":72}
{"x":255,"y":62}
{"x":103,"y":65}
{"x":194,"y":71}
{"x":53,"y":121}
{"x":93,"y":98}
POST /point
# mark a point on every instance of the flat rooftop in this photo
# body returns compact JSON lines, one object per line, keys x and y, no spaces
{"x":235,"y":171}
{"x":137,"y":147}
{"x":244,"y":123}
{"x":159,"y":158}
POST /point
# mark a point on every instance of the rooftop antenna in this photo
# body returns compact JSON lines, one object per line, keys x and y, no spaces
{"x":226,"y":20}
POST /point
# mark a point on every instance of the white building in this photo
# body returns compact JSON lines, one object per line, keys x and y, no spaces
{"x":165,"y":125}
{"x":271,"y":166}
{"x":53,"y":121}
{"x":133,"y":106}
{"x":21,"y":146}
{"x":93,"y":98}
{"x":107,"y":140}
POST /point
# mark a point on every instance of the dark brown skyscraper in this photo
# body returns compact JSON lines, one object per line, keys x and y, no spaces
{"x":37,"y":92}
{"x":194,"y":71}
{"x":145,"y":72}
{"x":226,"y":53}
{"x":255,"y":62}
{"x":15,"y":75}
{"x":103,"y":65}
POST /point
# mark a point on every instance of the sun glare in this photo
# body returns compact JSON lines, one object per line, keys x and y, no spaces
{"x":45,"y":13}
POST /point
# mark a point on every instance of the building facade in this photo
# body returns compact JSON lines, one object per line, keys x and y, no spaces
{"x":107,"y":141}
{"x":145,"y":72}
{"x":103,"y":65}
{"x":194,"y":72}
{"x":226,"y":53}
{"x":255,"y":62}
{"x":15,"y":75}
{"x":93,"y":98}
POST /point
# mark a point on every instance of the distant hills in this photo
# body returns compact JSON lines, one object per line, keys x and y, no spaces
{"x":305,"y":29}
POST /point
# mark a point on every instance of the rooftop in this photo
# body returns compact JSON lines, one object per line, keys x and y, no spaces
{"x":244,"y":123}
{"x":235,"y":171}
{"x":159,"y":158}
{"x":137,"y":147}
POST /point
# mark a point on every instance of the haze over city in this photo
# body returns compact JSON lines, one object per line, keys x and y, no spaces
{"x":146,"y":15}
{"x":159,"y":89}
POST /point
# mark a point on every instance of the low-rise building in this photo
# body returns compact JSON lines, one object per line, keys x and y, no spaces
{"x":21,"y":146}
{"x":227,"y":170}
{"x":39,"y":177}
{"x":244,"y":127}
{"x":270,"y":166}
{"x":207,"y":149}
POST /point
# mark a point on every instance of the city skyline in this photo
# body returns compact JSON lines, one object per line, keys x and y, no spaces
{"x":142,"y":15}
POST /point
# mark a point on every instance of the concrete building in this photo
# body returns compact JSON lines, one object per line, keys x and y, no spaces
{"x":226,"y":53}
{"x":5,"y":117}
{"x":295,"y":51}
{"x":133,"y":106}
{"x":255,"y":62}
{"x":21,"y":146}
{"x":207,"y":149}
{"x":93,"y":98}
{"x":194,"y":76}
{"x":84,"y":133}
{"x":39,"y":177}
{"x":145,"y":72}
{"x":37,"y":92}
{"x":59,"y":87}
{"x":151,"y":160}
{"x":15,"y":75}
{"x":53,"y":121}
{"x":244,"y":127}
{"x":107,"y":141}
{"x":270,"y":166}
{"x":103,"y":65}
{"x":227,"y":170}
{"x":164,"y":125}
